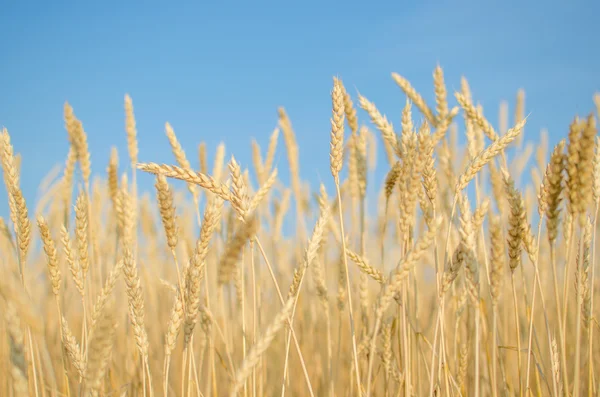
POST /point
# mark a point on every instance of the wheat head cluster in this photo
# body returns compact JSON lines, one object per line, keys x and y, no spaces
{"x":474,"y":276}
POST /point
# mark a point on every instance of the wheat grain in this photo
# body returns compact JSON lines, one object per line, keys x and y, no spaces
{"x":476,"y":117}
{"x":383,"y":125}
{"x":337,"y":128}
{"x":51,"y":255}
{"x":486,"y":155}
{"x":517,"y":222}
{"x":375,"y":274}
{"x":441,"y":99}
{"x":190,"y":176}
{"x":414,"y":96}
{"x":167,"y":210}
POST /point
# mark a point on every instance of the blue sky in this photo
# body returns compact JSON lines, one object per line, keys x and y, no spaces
{"x":217,"y":71}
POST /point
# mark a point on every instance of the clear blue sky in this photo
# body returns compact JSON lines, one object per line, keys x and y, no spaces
{"x":218,"y":70}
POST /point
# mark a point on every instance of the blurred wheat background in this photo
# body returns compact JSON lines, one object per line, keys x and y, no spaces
{"x":440,"y":248}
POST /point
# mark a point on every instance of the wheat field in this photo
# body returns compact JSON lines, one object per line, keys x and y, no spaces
{"x":475,"y":276}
